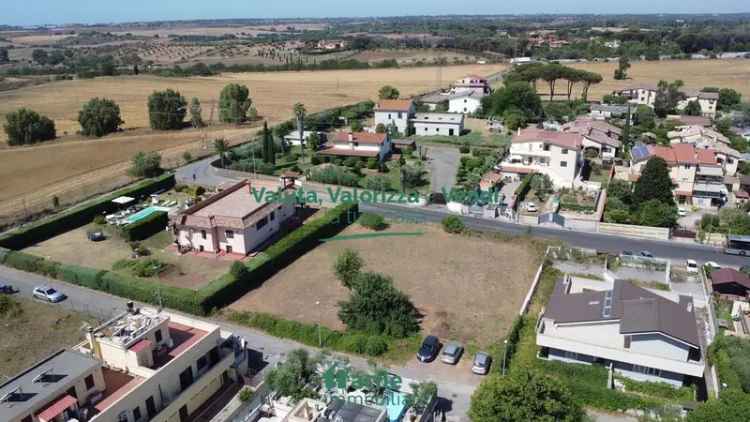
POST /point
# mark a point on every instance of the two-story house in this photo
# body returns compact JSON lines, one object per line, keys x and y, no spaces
{"x":471,"y":83}
{"x":359,"y":144}
{"x":142,"y":365}
{"x":465,"y":102}
{"x":556,"y":154}
{"x":636,"y":333}
{"x":430,"y":124}
{"x":395,"y":112}
{"x":640,"y":94}
{"x":707,"y":100}
{"x":598,"y":135}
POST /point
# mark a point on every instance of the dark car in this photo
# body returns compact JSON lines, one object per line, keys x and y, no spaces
{"x":96,"y":235}
{"x":647,"y":254}
{"x":437,"y":198}
{"x":7,"y":289}
{"x":429,"y":349}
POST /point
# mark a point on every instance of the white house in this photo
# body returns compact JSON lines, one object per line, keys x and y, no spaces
{"x":707,"y":100}
{"x":235,"y":221}
{"x":429,"y":124}
{"x":597,"y":135}
{"x":359,"y":144}
{"x":396,"y":112}
{"x":293,"y":137}
{"x":641,"y":335}
{"x":556,"y":154}
{"x":465,"y":103}
{"x":608,"y":111}
{"x":640,"y":94}
{"x":471,"y":83}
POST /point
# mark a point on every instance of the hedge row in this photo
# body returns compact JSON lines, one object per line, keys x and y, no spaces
{"x":314,"y":335}
{"x":146,"y":227}
{"x":80,"y":215}
{"x":523,"y":189}
{"x":226,"y":289}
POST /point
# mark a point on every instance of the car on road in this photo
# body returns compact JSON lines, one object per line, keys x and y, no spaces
{"x":451,"y":353}
{"x":627,"y":253}
{"x":692,"y":266}
{"x":429,"y":349}
{"x":714,"y":266}
{"x":7,"y":289}
{"x":647,"y":254}
{"x":682,"y":212}
{"x":531,"y":207}
{"x":482,"y":362}
{"x":48,"y":293}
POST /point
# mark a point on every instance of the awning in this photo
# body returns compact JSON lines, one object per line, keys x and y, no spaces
{"x":57,"y":408}
{"x":123,"y":200}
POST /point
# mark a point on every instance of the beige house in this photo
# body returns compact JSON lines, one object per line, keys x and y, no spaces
{"x":598,"y":135}
{"x":358,"y":144}
{"x":143,"y":365}
{"x":237,"y":220}
{"x":707,"y":100}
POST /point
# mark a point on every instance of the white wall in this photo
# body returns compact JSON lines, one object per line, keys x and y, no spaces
{"x":399,"y":118}
{"x":562,"y":177}
{"x":432,"y":129}
{"x":659,"y":345}
{"x":464,"y":105}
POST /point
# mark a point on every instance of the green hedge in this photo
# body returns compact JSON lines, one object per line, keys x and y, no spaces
{"x":81,"y":276}
{"x":80,"y":215}
{"x":523,"y":189}
{"x":314,"y":335}
{"x":226,"y":289}
{"x":31,"y":263}
{"x":146,"y":227}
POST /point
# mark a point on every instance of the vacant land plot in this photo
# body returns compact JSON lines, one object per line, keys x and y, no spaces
{"x":188,"y":270}
{"x":41,"y":329}
{"x":468,"y":288}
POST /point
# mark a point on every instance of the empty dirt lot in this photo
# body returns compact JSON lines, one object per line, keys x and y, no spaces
{"x":469,"y":289}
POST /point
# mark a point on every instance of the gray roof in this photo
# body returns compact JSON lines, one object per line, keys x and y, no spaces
{"x":610,"y":108}
{"x":637,"y":309}
{"x":35,"y":387}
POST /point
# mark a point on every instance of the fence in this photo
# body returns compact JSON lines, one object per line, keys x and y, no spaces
{"x":644,"y":232}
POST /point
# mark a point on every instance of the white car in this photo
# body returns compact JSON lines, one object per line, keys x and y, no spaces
{"x":692,"y":266}
{"x":531,"y":207}
{"x":682,"y":212}
{"x":48,"y":293}
{"x":714,"y":266}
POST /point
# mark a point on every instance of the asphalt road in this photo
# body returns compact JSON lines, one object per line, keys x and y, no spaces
{"x":444,"y":163}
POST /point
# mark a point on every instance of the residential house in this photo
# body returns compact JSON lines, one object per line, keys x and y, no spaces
{"x":698,"y":135}
{"x":598,"y":136}
{"x":640,"y":94}
{"x":609,"y":111}
{"x":395,"y":112}
{"x":633,"y":331}
{"x":359,"y":144}
{"x":556,"y":154}
{"x":699,"y":175}
{"x":465,"y":103}
{"x":690,"y":120}
{"x":471,"y":84}
{"x":707,"y":100}
{"x":728,"y":281}
{"x":293,"y":137}
{"x":237,"y":220}
{"x":141,"y":365}
{"x":646,"y":95}
{"x":429,"y":124}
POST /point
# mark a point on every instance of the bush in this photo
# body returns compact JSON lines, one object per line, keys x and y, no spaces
{"x":376,"y":346}
{"x":245,"y":395}
{"x":347,"y":267}
{"x":465,"y":148}
{"x":99,"y":117}
{"x":351,"y":162}
{"x":334,"y":175}
{"x":453,"y":224}
{"x":146,"y":227}
{"x":372,"y":221}
{"x":25,"y":127}
{"x":315,"y":160}
{"x":166,"y":110}
{"x":372,"y":163}
{"x":100,"y":220}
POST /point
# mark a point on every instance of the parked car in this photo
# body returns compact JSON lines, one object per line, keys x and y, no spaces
{"x":7,"y":289}
{"x":429,"y":349}
{"x":96,"y":235}
{"x":692,"y":266}
{"x":482,"y":362}
{"x":647,"y":254}
{"x":531,"y":207}
{"x":682,"y":212}
{"x":48,"y":293}
{"x":451,"y":353}
{"x":714,"y":266}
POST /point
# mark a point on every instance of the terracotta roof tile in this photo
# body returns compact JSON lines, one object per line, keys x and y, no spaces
{"x":394,"y":105}
{"x":360,"y":137}
{"x":568,"y":140}
{"x":684,"y":153}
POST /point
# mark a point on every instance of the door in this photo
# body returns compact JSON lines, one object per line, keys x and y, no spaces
{"x":450,"y":132}
{"x":229,"y":248}
{"x":183,"y":414}
{"x":150,"y":407}
{"x":186,"y":378}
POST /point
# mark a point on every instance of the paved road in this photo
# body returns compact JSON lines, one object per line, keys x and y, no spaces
{"x":444,"y":163}
{"x":456,"y":394}
{"x":201,"y":172}
{"x":602,"y":242}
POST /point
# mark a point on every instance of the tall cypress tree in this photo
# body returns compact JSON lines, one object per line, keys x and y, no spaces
{"x":269,"y":155}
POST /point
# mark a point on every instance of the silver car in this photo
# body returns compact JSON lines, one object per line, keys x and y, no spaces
{"x":482,"y":362}
{"x":48,"y":293}
{"x":451,"y":353}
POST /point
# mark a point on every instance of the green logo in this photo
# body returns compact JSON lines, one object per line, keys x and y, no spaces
{"x":342,"y":378}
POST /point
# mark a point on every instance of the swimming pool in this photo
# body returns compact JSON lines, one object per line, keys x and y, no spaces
{"x":395,"y":405}
{"x":140,"y":215}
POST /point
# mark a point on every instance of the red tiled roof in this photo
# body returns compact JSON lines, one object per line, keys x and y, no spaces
{"x":346,"y":152}
{"x":568,"y":140}
{"x":665,"y":153}
{"x":56,"y":408}
{"x":519,"y":170}
{"x":394,"y":105}
{"x":141,"y":345}
{"x":184,"y":337}
{"x":729,"y":275}
{"x":684,"y":153}
{"x":360,"y":137}
{"x":706,"y":156}
{"x":741,"y":194}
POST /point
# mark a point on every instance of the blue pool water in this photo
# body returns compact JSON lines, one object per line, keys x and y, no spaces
{"x":395,"y":405}
{"x":140,"y":215}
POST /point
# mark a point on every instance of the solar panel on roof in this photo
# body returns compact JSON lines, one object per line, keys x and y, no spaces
{"x":639,"y":152}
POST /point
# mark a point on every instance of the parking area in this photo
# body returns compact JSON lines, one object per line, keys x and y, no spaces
{"x":692,"y":216}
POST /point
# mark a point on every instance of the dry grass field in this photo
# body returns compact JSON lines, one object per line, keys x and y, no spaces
{"x":36,"y":173}
{"x":51,"y":327}
{"x":469,"y":289}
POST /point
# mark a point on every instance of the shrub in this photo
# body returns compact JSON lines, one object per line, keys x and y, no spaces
{"x":245,"y":395}
{"x":465,"y":148}
{"x":372,"y":221}
{"x":372,"y":163}
{"x":347,"y":267}
{"x":100,"y":220}
{"x":334,"y":175}
{"x":351,"y":162}
{"x":453,"y":224}
{"x":145,"y":227}
{"x":376,"y":346}
{"x":315,"y":160}
{"x":354,"y":343}
{"x":99,"y":117}
{"x":25,"y":126}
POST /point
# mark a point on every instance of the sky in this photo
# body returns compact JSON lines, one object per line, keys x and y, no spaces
{"x":38,"y":12}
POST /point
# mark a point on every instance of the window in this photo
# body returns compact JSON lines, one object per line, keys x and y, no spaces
{"x":399,"y":114}
{"x":627,"y":342}
{"x":122,"y":417}
{"x":273,"y":215}
{"x":646,"y":370}
{"x":389,"y":116}
{"x":545,"y":147}
{"x":730,"y":160}
{"x":202,"y":362}
{"x":230,"y":234}
{"x":437,"y":129}
{"x":137,"y":413}
{"x":563,"y":164}
{"x":203,"y":234}
{"x":157,"y":335}
{"x":565,"y":151}
{"x":262,"y":222}
{"x":89,"y":380}
{"x":425,"y":129}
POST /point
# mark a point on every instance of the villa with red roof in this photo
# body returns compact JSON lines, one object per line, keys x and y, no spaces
{"x":556,"y":154}
{"x":358,"y":144}
{"x":141,"y":365}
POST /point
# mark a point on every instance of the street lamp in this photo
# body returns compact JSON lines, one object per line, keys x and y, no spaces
{"x":505,"y":354}
{"x":320,"y":338}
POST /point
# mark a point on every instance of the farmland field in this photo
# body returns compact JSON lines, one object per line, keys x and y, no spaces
{"x":468,"y":288}
{"x":273,"y":93}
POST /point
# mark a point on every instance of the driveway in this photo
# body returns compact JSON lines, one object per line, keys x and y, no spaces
{"x":444,"y":163}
